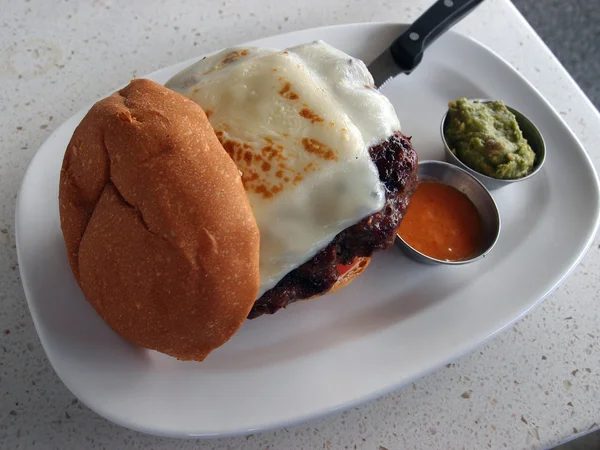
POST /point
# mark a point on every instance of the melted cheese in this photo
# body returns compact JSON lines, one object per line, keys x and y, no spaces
{"x":299,"y":124}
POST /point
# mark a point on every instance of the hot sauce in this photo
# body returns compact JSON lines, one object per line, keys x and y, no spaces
{"x":441,"y":222}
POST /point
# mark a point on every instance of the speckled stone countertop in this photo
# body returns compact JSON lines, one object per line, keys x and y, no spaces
{"x":534,"y":385}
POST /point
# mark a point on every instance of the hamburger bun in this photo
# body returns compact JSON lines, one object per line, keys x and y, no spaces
{"x":158,"y":227}
{"x":346,"y":278}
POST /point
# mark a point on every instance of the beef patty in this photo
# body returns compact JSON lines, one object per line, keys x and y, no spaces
{"x":396,"y":162}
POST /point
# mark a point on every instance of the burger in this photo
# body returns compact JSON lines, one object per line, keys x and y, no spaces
{"x":252,"y":179}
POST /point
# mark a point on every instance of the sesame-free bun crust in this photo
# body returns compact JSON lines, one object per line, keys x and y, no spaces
{"x":158,"y":227}
{"x":345,"y":279}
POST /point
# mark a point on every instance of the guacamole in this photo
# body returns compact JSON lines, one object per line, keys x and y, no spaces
{"x":487,"y":138}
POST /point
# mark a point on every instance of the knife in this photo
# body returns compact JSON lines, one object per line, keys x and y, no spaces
{"x":406,"y":52}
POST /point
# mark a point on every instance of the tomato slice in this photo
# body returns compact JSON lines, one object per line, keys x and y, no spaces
{"x":343,"y":268}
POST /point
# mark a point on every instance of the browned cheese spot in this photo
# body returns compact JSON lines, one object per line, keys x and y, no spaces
{"x":309,"y":115}
{"x":262,"y":189}
{"x":254,"y":165}
{"x":230,"y":57}
{"x":286,"y":92}
{"x":309,"y":166}
{"x":319,"y":149}
{"x":249,"y":177}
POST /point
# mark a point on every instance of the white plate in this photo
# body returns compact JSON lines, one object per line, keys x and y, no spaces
{"x":392,"y":325}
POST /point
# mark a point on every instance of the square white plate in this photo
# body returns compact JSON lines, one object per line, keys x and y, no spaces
{"x":393,"y":324}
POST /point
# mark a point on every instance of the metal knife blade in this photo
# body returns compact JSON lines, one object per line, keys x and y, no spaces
{"x":384,"y":68}
{"x":406,"y":51}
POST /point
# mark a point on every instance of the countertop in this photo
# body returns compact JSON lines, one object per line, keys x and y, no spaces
{"x":534,"y":385}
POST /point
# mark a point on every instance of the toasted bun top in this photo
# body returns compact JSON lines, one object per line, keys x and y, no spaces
{"x":158,"y":227}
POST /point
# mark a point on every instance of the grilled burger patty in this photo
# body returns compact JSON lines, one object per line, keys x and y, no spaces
{"x":396,"y":162}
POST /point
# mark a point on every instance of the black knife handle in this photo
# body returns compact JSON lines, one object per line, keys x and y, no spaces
{"x":408,"y":49}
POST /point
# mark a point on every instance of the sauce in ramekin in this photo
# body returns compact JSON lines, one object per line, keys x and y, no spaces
{"x":441,"y":222}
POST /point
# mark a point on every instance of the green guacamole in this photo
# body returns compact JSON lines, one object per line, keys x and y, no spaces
{"x":487,"y":138}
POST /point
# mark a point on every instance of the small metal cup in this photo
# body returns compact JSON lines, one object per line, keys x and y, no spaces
{"x":530,"y":132}
{"x":451,"y":175}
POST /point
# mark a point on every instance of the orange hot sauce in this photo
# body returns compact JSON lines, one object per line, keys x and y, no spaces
{"x":442,"y":223}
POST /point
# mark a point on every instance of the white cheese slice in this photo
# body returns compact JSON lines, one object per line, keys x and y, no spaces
{"x":299,"y":124}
